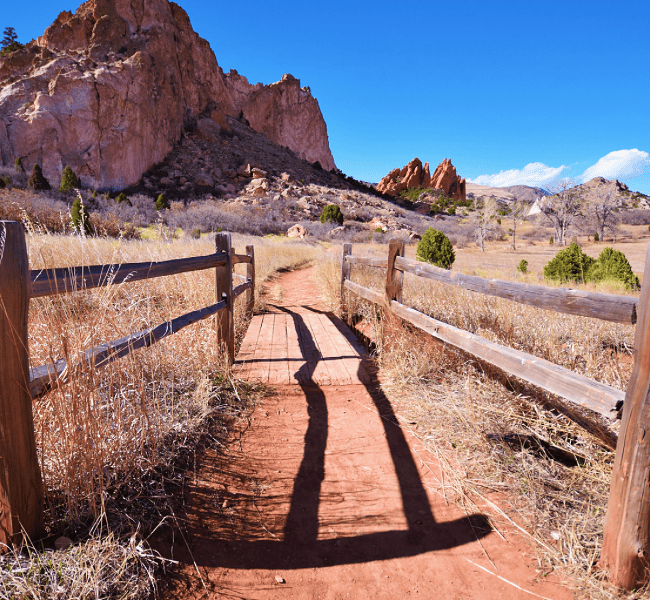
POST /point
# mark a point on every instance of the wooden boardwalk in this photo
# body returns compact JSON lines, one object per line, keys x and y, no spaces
{"x":300,"y":345}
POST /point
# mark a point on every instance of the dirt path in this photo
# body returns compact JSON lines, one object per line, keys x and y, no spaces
{"x":325,"y":496}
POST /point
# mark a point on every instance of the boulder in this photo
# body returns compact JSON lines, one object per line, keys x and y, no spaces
{"x":297,"y":231}
{"x":204,"y":180}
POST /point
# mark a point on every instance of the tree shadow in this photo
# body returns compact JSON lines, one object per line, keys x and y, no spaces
{"x":300,"y":546}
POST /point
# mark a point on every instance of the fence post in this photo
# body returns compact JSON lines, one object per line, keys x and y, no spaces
{"x":345,"y":274}
{"x":225,"y":321}
{"x":250,"y":276}
{"x":394,"y":278}
{"x":21,"y":487}
{"x":626,"y":543}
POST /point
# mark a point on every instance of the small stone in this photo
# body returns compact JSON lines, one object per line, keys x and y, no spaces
{"x":279,"y":579}
{"x":62,"y":543}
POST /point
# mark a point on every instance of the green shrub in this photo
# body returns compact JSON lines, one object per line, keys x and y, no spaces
{"x":37,"y":180}
{"x":570,"y":264}
{"x":596,"y":238}
{"x":196,"y":233}
{"x":161,"y":202}
{"x":551,"y":241}
{"x":18,"y":165}
{"x":94,"y":194}
{"x":435,"y":248}
{"x":613,"y":265}
{"x":69,"y":181}
{"x":523,"y":266}
{"x":332,"y":213}
{"x":80,"y":217}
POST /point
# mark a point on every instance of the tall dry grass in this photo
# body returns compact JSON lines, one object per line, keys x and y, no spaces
{"x":505,"y":447}
{"x":108,"y":441}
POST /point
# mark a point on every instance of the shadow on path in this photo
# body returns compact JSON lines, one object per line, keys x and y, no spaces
{"x":301,"y":547}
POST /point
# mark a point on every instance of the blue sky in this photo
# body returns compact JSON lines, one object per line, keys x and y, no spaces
{"x":511,"y":92}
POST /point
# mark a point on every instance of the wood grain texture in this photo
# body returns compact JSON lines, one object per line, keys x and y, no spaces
{"x":250,"y":276}
{"x":21,"y":488}
{"x":368,"y":261}
{"x":241,"y":258}
{"x":608,"y":307}
{"x":223,"y":282}
{"x":49,"y":282}
{"x":626,"y":543}
{"x":394,"y":278}
{"x":43,"y":378}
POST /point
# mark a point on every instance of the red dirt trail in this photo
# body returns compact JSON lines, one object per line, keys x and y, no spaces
{"x":325,"y":496}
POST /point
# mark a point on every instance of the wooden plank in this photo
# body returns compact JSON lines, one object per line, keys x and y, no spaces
{"x":368,"y":261}
{"x":626,"y":543}
{"x":279,"y":368}
{"x":298,"y":370}
{"x":21,"y":487}
{"x":578,"y":389}
{"x":350,"y":359}
{"x":44,"y":377}
{"x":365,"y":293}
{"x":240,"y":258}
{"x":223,"y":282}
{"x":260,"y":368}
{"x":367,"y":365}
{"x":316,"y":370}
{"x":247,"y":351}
{"x":608,"y":307}
{"x":240,"y":289}
{"x":49,"y":282}
{"x":335,"y":361}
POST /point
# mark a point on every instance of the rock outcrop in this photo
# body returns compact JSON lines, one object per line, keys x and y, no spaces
{"x":110,"y":89}
{"x":416,"y":175}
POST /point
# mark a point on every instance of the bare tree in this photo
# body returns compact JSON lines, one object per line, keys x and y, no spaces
{"x":518,"y":210}
{"x":482,"y":219}
{"x":602,"y":210}
{"x":562,"y":208}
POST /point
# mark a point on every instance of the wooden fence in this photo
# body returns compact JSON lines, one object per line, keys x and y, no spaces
{"x":626,"y":545}
{"x":21,"y":490}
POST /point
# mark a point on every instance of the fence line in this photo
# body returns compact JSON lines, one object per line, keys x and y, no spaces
{"x":21,"y":488}
{"x":626,"y":543}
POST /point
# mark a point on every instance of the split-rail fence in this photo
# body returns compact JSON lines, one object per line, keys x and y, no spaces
{"x":626,"y":544}
{"x":21,"y":488}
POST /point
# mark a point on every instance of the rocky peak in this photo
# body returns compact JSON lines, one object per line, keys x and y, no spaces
{"x":415,"y":175}
{"x":110,"y":89}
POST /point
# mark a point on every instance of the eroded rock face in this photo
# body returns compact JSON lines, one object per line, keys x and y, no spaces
{"x":416,"y":175}
{"x":109,"y":90}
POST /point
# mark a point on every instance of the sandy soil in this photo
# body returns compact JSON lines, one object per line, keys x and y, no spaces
{"x":324,"y":495}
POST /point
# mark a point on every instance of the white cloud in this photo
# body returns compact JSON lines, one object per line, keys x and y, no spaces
{"x":620,"y":164}
{"x":533,"y":174}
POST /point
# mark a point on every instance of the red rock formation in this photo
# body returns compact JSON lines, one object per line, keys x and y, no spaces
{"x":415,"y":175}
{"x":109,"y":89}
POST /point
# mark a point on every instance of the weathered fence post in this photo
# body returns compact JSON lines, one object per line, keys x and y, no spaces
{"x":394,"y":278}
{"x":250,"y":276}
{"x":225,"y":321}
{"x":21,"y":487}
{"x":345,"y":274}
{"x":626,"y":543}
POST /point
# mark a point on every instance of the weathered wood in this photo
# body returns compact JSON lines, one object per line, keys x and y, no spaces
{"x":225,"y":321}
{"x":608,"y":307}
{"x":240,"y":289}
{"x":380,"y":262}
{"x":394,"y":278}
{"x":345,"y":274}
{"x":250,"y":275}
{"x":576,"y":388}
{"x":49,"y":282}
{"x":21,"y":487}
{"x":626,"y":542}
{"x":45,"y":377}
{"x":241,"y":258}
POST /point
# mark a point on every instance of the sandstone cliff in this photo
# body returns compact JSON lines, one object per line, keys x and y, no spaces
{"x":416,"y":175}
{"x":110,"y":89}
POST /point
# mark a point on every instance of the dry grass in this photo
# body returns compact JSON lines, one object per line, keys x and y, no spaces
{"x":114,"y":444}
{"x":501,"y":442}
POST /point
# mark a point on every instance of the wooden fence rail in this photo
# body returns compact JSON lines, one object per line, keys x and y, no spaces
{"x":21,"y":488}
{"x":626,"y":544}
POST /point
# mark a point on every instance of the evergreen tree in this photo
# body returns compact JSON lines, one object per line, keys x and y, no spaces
{"x":10,"y":40}
{"x":69,"y":181}
{"x":332,"y":213}
{"x":123,"y":198}
{"x":18,"y":165}
{"x":80,"y":218}
{"x":435,"y":248}
{"x":37,"y":180}
{"x":570,"y":264}
{"x":161,"y":202}
{"x":613,"y":264}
